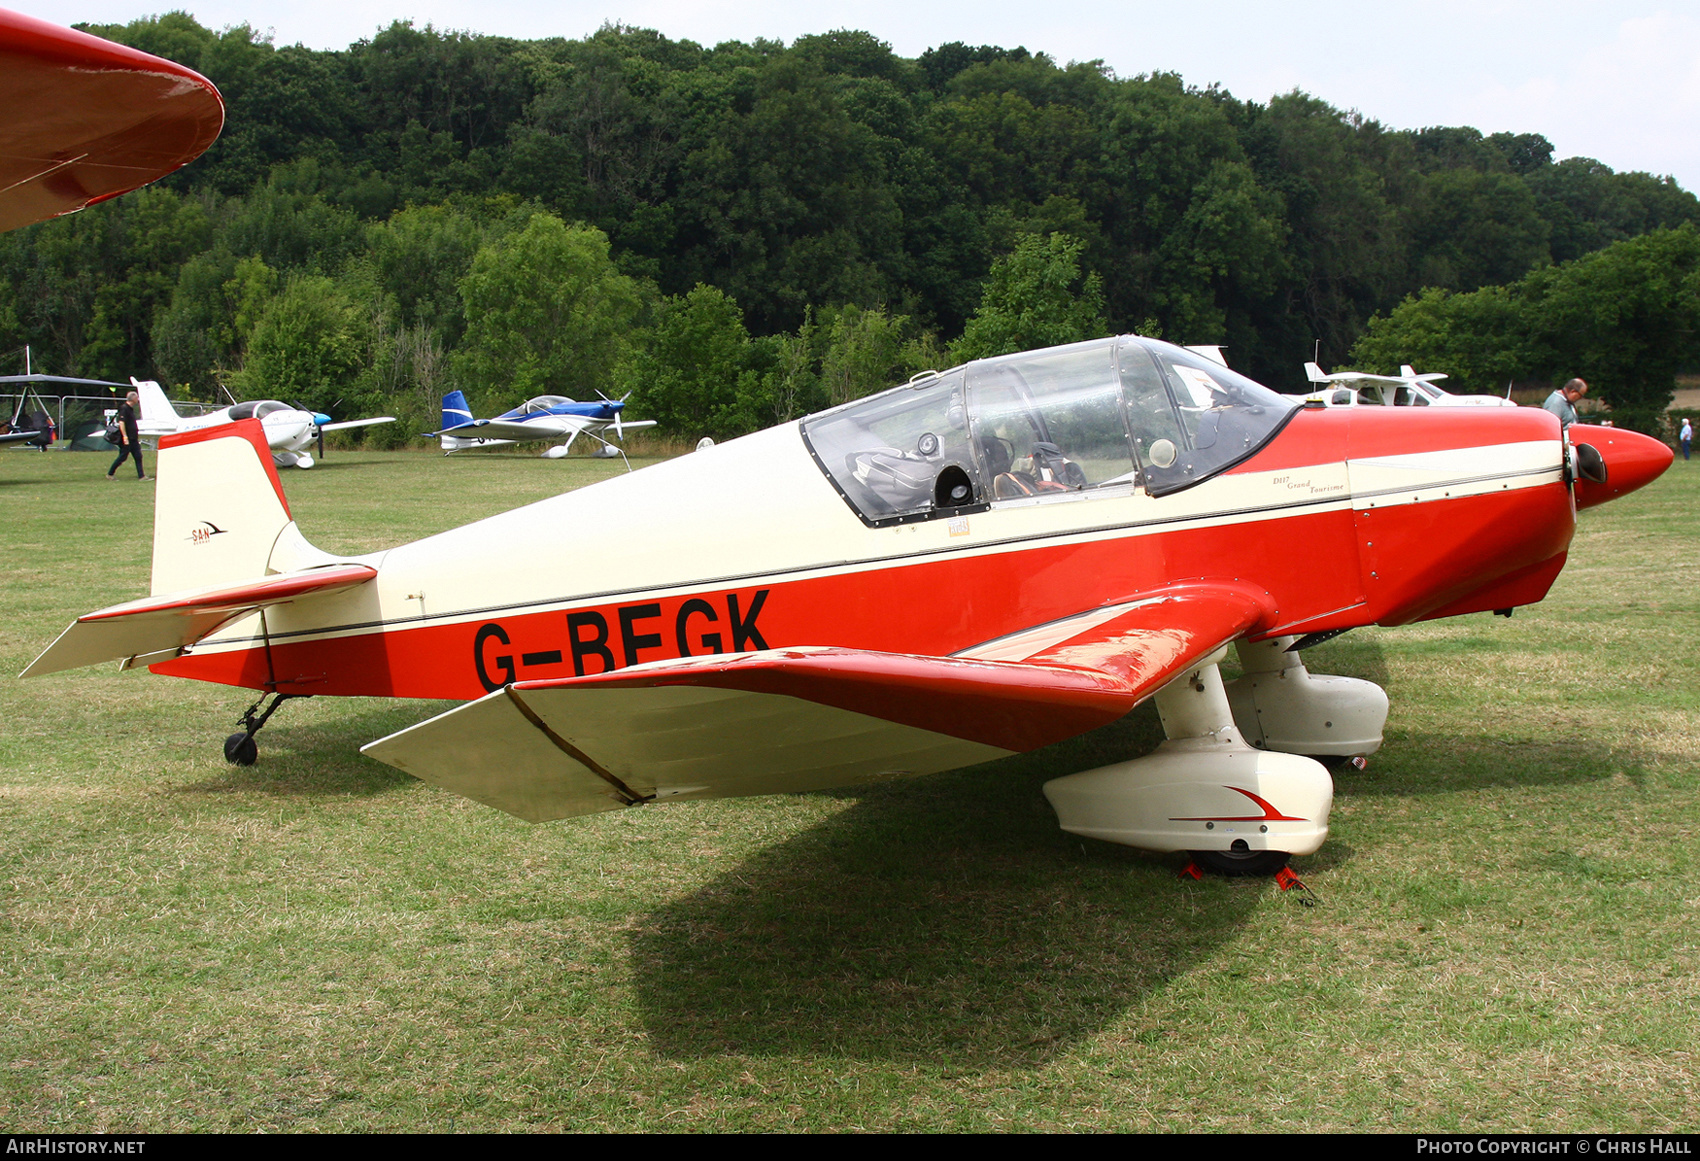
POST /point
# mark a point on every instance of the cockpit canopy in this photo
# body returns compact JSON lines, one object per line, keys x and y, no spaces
{"x":1110,"y":413}
{"x":540,"y":404}
{"x":258,"y":409}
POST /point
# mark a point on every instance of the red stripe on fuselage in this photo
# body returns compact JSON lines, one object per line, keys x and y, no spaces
{"x":1428,"y":554}
{"x":1331,"y":434}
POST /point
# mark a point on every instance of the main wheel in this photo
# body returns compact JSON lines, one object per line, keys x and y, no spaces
{"x":241,"y":750}
{"x":1241,"y":862}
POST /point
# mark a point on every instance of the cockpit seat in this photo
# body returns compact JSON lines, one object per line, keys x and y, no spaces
{"x":1013,"y":485}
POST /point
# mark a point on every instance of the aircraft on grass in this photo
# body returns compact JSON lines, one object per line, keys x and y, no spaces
{"x":289,"y":431}
{"x":1406,"y":389}
{"x":545,"y":417}
{"x":37,"y":427}
{"x":976,"y":563}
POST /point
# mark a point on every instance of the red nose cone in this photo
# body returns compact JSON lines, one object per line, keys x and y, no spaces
{"x":1631,"y":460}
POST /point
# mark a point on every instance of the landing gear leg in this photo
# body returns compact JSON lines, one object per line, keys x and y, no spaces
{"x":241,"y":749}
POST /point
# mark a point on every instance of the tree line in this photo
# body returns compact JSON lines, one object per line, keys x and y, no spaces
{"x":743,"y":233}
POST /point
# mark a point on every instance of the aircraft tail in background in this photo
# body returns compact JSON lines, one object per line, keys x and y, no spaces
{"x":156,"y":408}
{"x":455,"y":410}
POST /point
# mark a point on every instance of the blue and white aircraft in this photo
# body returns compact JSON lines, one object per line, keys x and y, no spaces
{"x":545,"y":417}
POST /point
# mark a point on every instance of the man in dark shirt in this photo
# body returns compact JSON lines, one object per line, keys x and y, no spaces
{"x":130,"y":439}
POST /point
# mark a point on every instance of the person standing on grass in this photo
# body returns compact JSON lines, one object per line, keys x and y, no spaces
{"x":129,"y":437}
{"x":1685,"y":436}
{"x":1562,"y":402}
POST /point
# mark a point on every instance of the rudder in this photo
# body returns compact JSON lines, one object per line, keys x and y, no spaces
{"x":455,"y":410}
{"x":218,"y":509}
{"x":156,"y":408}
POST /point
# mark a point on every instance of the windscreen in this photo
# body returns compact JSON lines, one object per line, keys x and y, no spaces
{"x":1214,"y":419}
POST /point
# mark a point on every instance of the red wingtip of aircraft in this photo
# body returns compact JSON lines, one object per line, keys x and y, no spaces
{"x":1631,"y":461}
{"x":86,"y":119}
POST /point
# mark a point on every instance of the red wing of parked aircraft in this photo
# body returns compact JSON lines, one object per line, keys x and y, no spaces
{"x":970,"y":565}
{"x":85,"y":119}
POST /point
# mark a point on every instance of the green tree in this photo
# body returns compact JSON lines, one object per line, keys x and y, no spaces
{"x":311,"y":346}
{"x":202,"y":337}
{"x":1626,"y":318}
{"x":866,"y":351}
{"x":419,"y":257}
{"x":1479,"y":339}
{"x":1473,"y":229}
{"x":1035,"y":297}
{"x":547,"y":312}
{"x":692,"y":373}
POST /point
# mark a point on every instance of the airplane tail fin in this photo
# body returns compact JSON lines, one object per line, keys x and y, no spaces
{"x":455,"y":413}
{"x":455,"y":410}
{"x":224,"y":545}
{"x":156,"y":408}
{"x":1315,"y":374}
{"x":219,"y":511}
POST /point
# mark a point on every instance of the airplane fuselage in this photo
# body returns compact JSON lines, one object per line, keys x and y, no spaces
{"x":1346,"y":517}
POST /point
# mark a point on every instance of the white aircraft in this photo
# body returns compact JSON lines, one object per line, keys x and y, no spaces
{"x":289,"y":430}
{"x":1406,"y":389}
{"x":545,"y":417}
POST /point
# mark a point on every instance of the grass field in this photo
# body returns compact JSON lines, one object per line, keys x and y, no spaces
{"x":1506,"y":935}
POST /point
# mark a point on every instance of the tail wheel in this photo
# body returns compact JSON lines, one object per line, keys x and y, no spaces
{"x":1241,"y":861}
{"x":241,"y":749}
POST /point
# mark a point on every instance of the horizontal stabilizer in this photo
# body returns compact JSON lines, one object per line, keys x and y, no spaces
{"x":797,"y":719}
{"x":170,"y":622}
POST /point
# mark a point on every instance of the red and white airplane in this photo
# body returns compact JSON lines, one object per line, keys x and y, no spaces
{"x":86,"y":120}
{"x":976,"y":563}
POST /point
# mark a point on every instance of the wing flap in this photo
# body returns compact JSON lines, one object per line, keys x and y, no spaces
{"x":170,"y":622}
{"x":810,"y":718}
{"x":555,"y":753}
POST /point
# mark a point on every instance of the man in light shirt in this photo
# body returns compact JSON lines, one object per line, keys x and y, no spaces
{"x":1562,"y":402}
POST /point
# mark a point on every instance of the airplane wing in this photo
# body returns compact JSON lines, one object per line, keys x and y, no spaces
{"x":785,"y":720}
{"x":357,"y":423}
{"x":87,"y":119}
{"x":170,"y":622}
{"x":549,"y":427}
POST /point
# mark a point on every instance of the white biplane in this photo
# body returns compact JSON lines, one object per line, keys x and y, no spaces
{"x":973,"y":564}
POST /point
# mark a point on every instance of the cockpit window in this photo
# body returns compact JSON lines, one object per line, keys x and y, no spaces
{"x":1082,"y":418}
{"x":1050,"y":421}
{"x":1222,"y":416}
{"x":901,"y":455}
{"x":542,"y":403}
{"x":258,"y":409}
